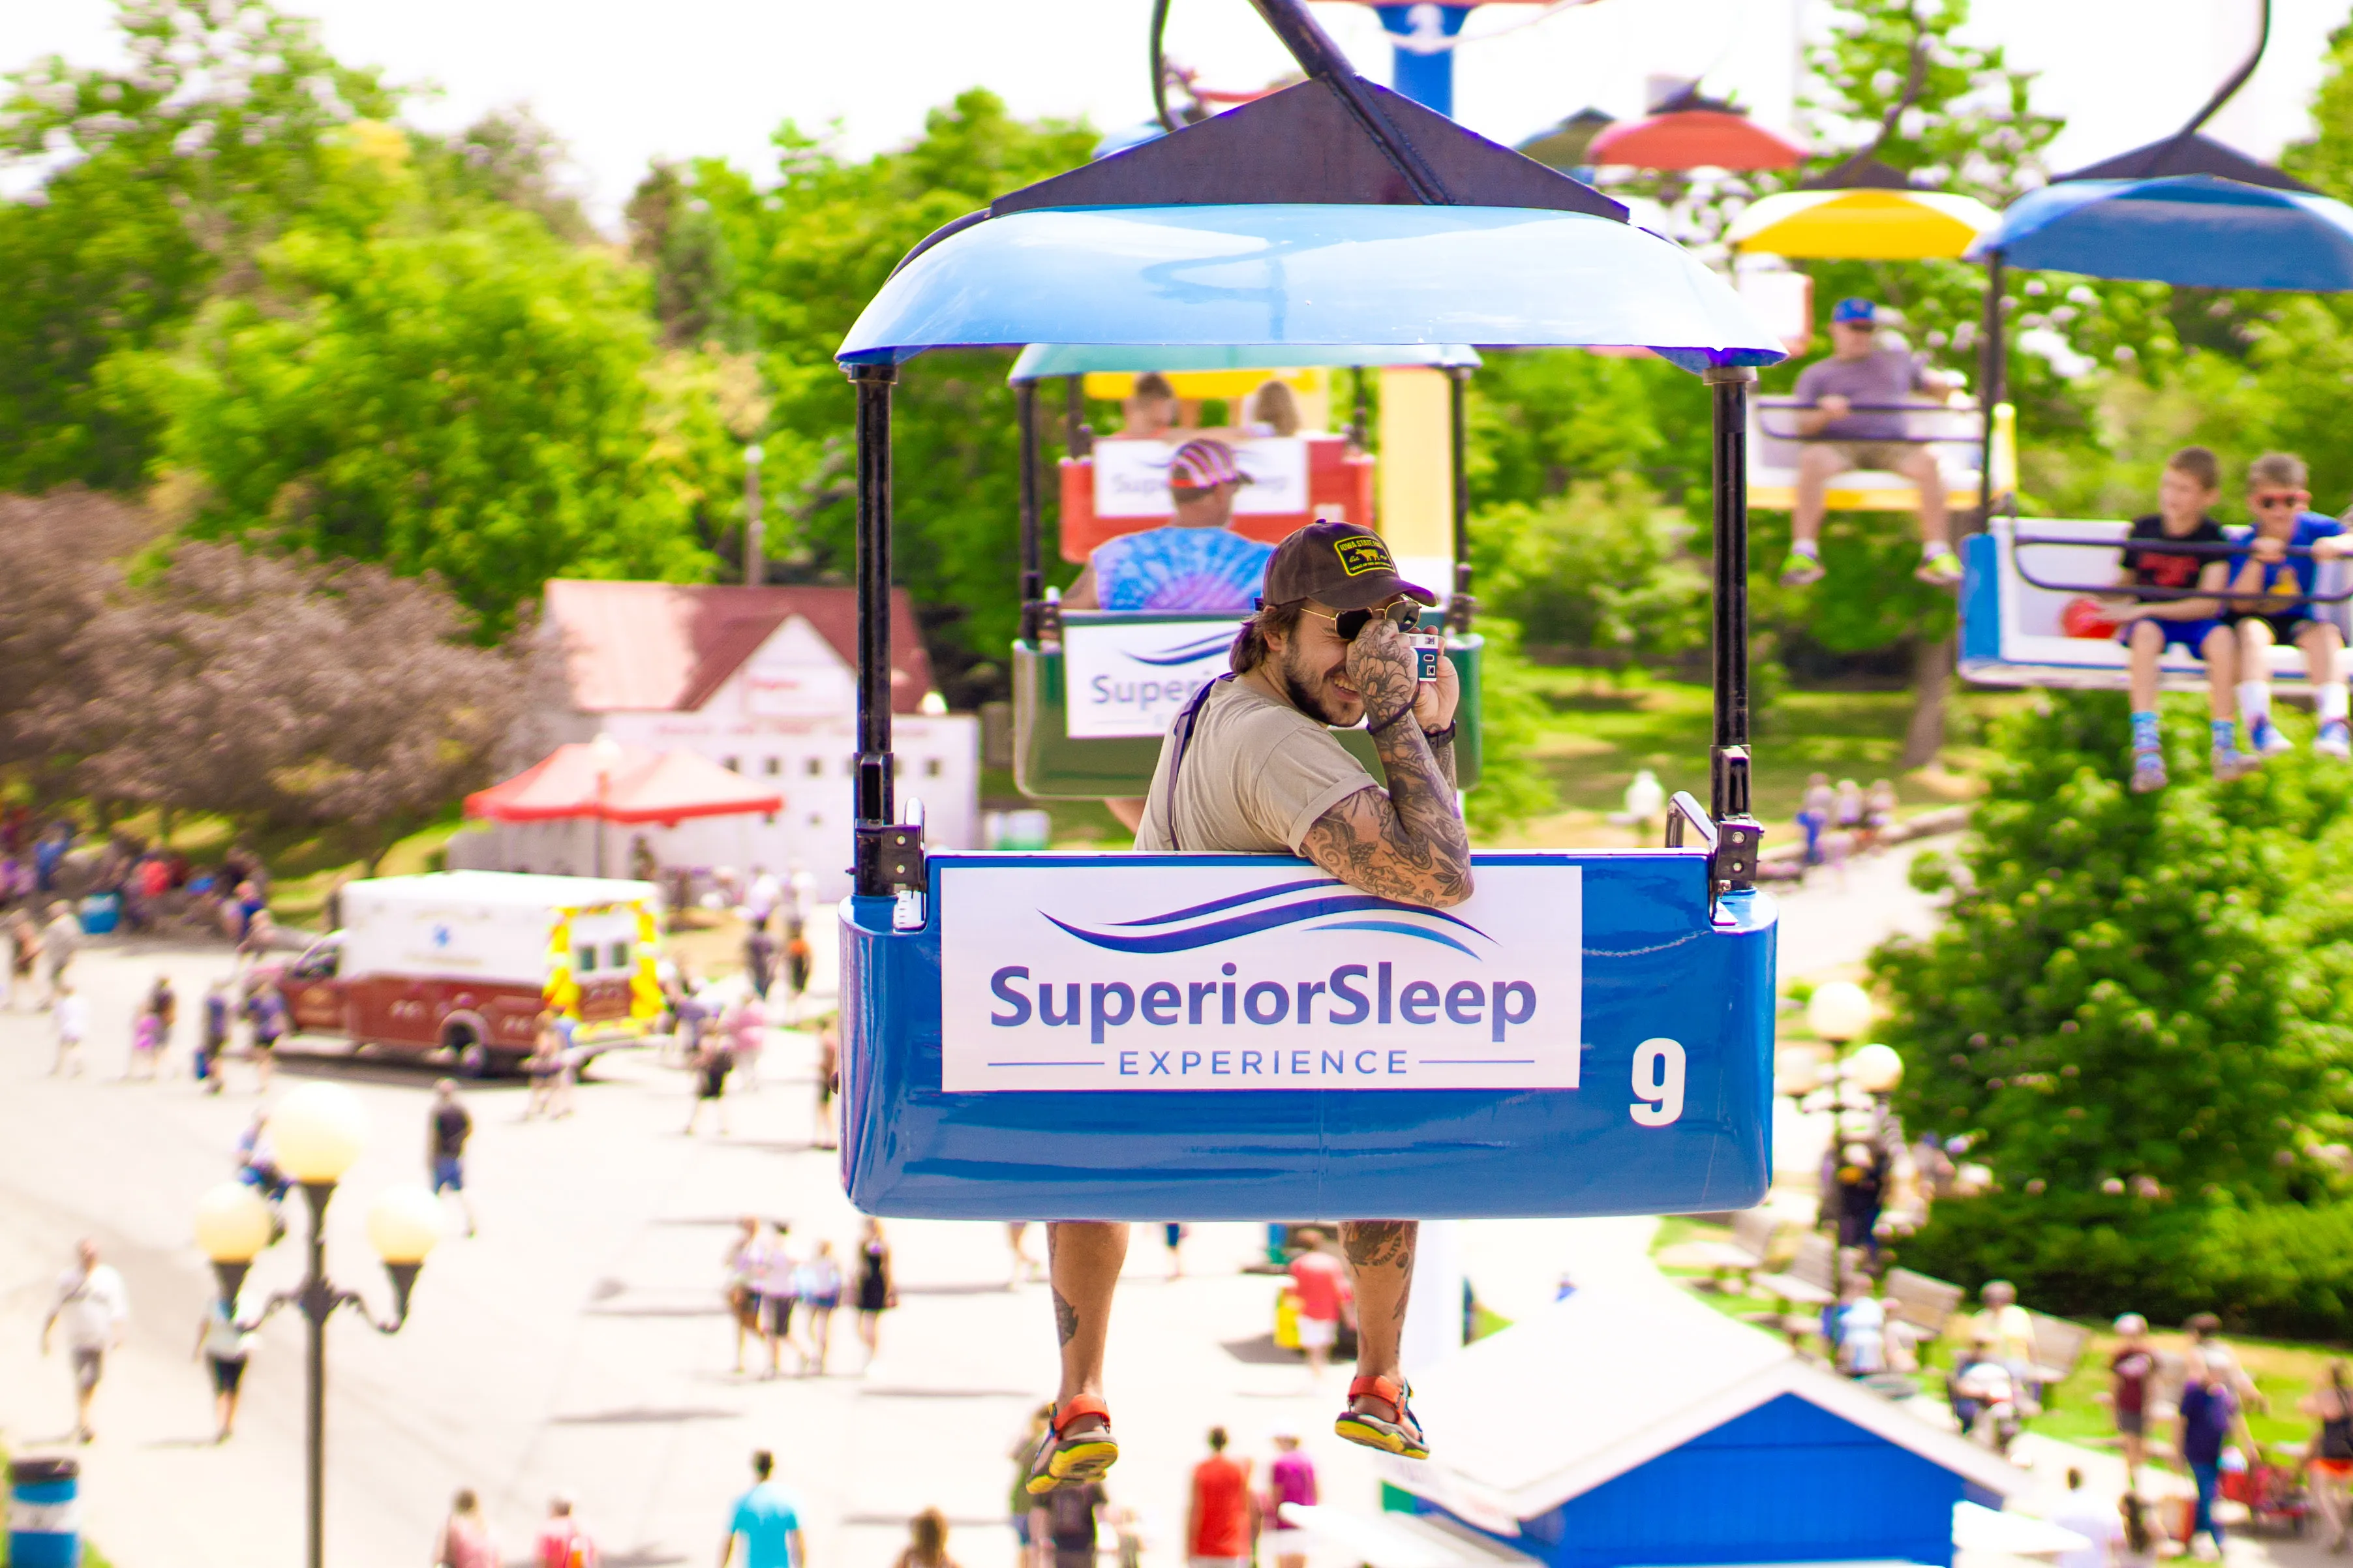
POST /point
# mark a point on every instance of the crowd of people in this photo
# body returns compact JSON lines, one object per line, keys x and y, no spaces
{"x":784,"y":1297}
{"x":1229,"y":1518}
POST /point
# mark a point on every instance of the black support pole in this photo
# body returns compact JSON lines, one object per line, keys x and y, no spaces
{"x":1033,"y":576}
{"x":874,"y":804}
{"x":1734,"y":864}
{"x":1992,"y":374}
{"x":1321,"y":58}
{"x":1458,"y":386}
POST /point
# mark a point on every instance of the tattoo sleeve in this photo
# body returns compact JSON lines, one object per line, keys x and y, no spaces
{"x":1406,"y":842}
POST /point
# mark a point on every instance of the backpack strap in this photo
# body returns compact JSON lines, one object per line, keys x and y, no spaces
{"x":1189,"y":716}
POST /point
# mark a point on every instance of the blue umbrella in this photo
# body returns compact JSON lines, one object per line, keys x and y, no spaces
{"x":1288,"y":275}
{"x":2191,"y":229}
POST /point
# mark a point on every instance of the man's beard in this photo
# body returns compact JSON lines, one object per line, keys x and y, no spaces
{"x":1302,"y":697}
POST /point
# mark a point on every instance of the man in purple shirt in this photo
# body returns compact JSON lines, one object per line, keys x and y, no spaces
{"x":1838,"y":437}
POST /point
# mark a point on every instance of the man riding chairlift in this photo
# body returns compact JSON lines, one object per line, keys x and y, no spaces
{"x":1837,"y":437}
{"x":1194,"y":562}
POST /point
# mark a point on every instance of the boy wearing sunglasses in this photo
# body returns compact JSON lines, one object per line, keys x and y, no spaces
{"x":1250,"y":767}
{"x":2270,"y":603}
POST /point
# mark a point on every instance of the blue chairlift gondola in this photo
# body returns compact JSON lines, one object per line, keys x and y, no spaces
{"x":1093,"y":690}
{"x":1219,"y":1036}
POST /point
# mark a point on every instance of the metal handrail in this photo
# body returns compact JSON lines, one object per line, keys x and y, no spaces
{"x":1765,"y":405}
{"x":1685,"y":811}
{"x":2153,"y":593}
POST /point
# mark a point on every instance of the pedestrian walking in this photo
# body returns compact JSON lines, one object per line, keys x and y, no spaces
{"x":1221,"y":1522}
{"x":711,"y":1062}
{"x":223,"y":1344}
{"x":544,"y":1065}
{"x":748,"y":1024}
{"x":1291,"y":1478}
{"x":212,"y":1039}
{"x":797,"y":960}
{"x":760,"y":958}
{"x":1173,"y":1237}
{"x":743,"y":1298}
{"x":2129,"y":1370}
{"x":2091,"y":1517}
{"x":1024,"y":1265}
{"x":819,"y":1285}
{"x":266,"y":1010}
{"x":447,"y":1128}
{"x":2209,"y":1408}
{"x":148,"y":1033}
{"x":767,"y":1520}
{"x":772,"y":1279}
{"x":876,"y":1291}
{"x":1020,"y":1505}
{"x":927,"y":1542}
{"x":1319,"y":1282}
{"x":23,"y":954}
{"x":563,"y":1544}
{"x":95,"y":1307}
{"x":2330,"y":1465}
{"x":69,"y":1016}
{"x":1064,"y":1525}
{"x":60,"y":940}
{"x":829,"y":1081}
{"x":465,"y":1539}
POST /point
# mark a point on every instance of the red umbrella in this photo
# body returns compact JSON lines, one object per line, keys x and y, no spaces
{"x":627,"y":784}
{"x":1694,"y":139}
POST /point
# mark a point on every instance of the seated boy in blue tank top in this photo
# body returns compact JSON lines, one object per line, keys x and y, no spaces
{"x":2270,"y":603}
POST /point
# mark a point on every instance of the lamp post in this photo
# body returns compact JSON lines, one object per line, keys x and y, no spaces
{"x":1837,"y":1011}
{"x":317,"y":1132}
{"x":755,"y":569}
{"x":606,"y":751}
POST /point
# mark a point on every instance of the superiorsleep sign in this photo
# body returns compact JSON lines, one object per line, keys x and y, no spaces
{"x":1244,"y":977}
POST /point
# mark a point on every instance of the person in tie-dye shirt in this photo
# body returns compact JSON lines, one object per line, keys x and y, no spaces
{"x":1195,"y":562}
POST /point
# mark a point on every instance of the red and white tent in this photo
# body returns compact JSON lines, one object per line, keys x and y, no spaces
{"x":624,"y":784}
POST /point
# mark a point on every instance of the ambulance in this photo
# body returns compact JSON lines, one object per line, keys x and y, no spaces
{"x":463,"y":961}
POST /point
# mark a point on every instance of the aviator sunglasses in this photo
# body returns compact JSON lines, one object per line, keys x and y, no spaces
{"x":1402,"y":614}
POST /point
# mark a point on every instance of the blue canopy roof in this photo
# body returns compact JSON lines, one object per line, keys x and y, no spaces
{"x":1282,"y":277}
{"x":1041,"y":360}
{"x":2191,"y":229}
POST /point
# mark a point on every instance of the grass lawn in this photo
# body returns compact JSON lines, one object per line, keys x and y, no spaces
{"x":2285,"y":1371}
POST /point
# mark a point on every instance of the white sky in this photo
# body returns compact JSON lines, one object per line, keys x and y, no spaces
{"x":624,"y":81}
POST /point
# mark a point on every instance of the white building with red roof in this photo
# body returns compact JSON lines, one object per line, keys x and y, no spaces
{"x":760,"y":680}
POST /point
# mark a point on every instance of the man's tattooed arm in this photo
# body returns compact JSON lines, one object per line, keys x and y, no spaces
{"x":1408,"y":842}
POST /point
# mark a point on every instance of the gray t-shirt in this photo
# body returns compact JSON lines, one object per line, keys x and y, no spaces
{"x":1257,"y":774}
{"x":1882,"y":375}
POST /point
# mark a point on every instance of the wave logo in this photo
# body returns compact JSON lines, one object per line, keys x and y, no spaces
{"x":1183,"y":653}
{"x":1314,"y":904}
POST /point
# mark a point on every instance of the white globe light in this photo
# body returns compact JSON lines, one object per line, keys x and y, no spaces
{"x":404,"y":1224}
{"x":1875,"y":1069}
{"x":1839,"y":1011}
{"x":318,"y":1130}
{"x":232,"y":1222}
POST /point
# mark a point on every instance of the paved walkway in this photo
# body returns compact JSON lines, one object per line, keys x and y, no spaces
{"x":579,"y":1342}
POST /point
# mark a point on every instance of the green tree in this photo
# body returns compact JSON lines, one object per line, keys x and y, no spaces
{"x":2136,"y":988}
{"x":164,"y":178}
{"x":1602,"y":566}
{"x":482,"y":403}
{"x":799,"y":261}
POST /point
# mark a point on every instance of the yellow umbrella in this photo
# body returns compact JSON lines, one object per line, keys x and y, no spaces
{"x":1863,"y":225}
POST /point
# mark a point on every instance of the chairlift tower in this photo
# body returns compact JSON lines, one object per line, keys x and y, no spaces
{"x":1422,"y":36}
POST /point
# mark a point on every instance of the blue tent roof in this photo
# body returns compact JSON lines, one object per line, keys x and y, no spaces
{"x":2189,"y":229}
{"x":1285,"y":276}
{"x":1039,"y":360}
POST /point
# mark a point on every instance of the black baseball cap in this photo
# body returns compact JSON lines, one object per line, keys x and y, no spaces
{"x":1343,"y":564}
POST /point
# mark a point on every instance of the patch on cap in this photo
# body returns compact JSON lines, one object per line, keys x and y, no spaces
{"x":1363,"y":552}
